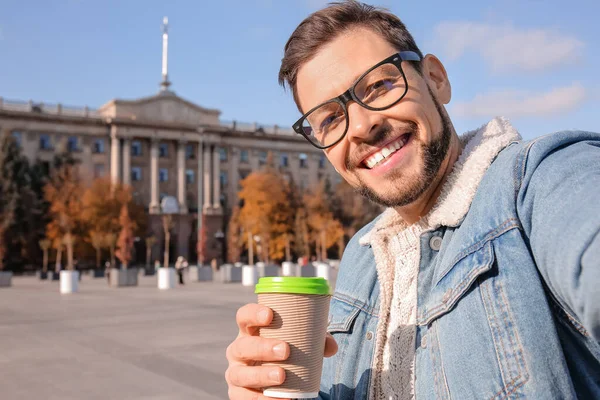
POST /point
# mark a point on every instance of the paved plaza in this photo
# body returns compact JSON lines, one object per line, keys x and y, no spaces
{"x":116,"y":343}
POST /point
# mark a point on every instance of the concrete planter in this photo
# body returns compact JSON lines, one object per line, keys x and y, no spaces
{"x":249,"y":275}
{"x":6,"y":278}
{"x":69,"y":282}
{"x":229,"y":274}
{"x":289,"y":269}
{"x":307,"y":271}
{"x":166,"y":278}
{"x":266,"y":270}
{"x":98,"y":273}
{"x":200,"y":274}
{"x":323,"y":270}
{"x":123,"y":277}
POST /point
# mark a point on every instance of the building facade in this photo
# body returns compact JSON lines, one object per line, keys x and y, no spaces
{"x":170,"y":151}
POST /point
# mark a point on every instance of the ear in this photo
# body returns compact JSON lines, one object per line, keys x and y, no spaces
{"x":436,"y":77}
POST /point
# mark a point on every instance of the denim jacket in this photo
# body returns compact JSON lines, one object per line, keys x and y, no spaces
{"x":508,"y":300}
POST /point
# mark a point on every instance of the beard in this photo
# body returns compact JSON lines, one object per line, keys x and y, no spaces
{"x":407,"y":189}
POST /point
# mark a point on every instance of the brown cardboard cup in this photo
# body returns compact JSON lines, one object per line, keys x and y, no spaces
{"x":301,"y":321}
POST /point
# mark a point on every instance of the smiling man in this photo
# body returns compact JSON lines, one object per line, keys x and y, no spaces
{"x":481,"y":278}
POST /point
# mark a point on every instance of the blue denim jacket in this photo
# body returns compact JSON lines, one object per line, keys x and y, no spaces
{"x":509,"y":305}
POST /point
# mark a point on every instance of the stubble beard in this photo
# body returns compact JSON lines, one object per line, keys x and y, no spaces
{"x":407,"y":189}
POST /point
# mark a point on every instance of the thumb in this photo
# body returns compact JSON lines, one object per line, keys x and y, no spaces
{"x":331,"y":346}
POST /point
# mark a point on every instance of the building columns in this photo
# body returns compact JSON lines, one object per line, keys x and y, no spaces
{"x":181,"y":183}
{"x":154,"y":201}
{"x":207,"y":180}
{"x":127,"y":161}
{"x":115,"y":145}
{"x":200,"y":182}
{"x":216,"y":178}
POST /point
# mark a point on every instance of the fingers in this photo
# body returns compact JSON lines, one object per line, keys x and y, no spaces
{"x":256,"y":348}
{"x":240,"y":393}
{"x":254,"y":377}
{"x":331,"y":346}
{"x":252,"y":316}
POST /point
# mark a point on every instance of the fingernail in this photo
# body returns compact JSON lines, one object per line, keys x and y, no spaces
{"x":275,"y":376}
{"x":279,"y":350}
{"x":263,"y":316}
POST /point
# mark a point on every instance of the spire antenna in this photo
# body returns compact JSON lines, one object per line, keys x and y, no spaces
{"x":164,"y":85}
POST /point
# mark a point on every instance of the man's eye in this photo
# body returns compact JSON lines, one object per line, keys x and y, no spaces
{"x":330,"y":120}
{"x":381,"y":85}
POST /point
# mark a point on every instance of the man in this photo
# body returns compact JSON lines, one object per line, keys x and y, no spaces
{"x":481,"y":279}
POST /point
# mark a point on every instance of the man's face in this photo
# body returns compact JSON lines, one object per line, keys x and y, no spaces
{"x":414,"y":135}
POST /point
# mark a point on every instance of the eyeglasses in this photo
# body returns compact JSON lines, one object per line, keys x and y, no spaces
{"x":380,"y":88}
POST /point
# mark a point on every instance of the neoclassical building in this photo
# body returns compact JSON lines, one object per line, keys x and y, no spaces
{"x":179,"y":157}
{"x":166,"y":148}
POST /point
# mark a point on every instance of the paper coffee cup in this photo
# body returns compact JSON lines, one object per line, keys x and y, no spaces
{"x":300,"y":311}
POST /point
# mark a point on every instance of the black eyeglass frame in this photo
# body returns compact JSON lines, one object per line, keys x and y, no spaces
{"x":349,"y":95}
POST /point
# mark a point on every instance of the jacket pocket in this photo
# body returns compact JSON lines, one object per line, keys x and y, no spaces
{"x":341,"y":316}
{"x":451,"y":283}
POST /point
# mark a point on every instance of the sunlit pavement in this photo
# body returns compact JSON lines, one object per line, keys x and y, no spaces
{"x":116,"y":343}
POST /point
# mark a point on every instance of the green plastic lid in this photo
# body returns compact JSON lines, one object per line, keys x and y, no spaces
{"x":291,"y":284}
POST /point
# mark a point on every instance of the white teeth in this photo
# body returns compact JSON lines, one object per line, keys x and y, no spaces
{"x":384,"y":153}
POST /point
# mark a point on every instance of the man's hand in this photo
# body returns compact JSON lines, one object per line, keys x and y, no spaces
{"x":244,"y":377}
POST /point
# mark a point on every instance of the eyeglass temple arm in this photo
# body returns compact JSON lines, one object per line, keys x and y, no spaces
{"x":409,"y":56}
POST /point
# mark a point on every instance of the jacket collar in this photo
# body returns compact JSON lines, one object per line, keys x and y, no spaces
{"x":480,"y":148}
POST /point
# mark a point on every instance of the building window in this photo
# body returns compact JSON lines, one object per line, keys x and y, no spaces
{"x":243,"y":174}
{"x":303,"y":160}
{"x":322,"y":161}
{"x":223,"y":179}
{"x":222,"y":153}
{"x":99,"y":146}
{"x":73,"y":144}
{"x":284,"y":160}
{"x":45,"y":142}
{"x":262,"y":157}
{"x":244,"y":156}
{"x":17,"y":137}
{"x":98,"y":170}
{"x":163,"y":175}
{"x":189,"y":152}
{"x":189,"y":176}
{"x":136,"y":148}
{"x":163,"y":150}
{"x":136,"y":174}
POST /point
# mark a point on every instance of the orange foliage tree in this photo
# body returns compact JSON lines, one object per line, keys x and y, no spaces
{"x":103,"y":204}
{"x":266,"y":212}
{"x":125,"y":241}
{"x":64,"y":193}
{"x":325,"y":230}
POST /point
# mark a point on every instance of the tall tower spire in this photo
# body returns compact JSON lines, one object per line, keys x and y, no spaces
{"x":164,"y":85}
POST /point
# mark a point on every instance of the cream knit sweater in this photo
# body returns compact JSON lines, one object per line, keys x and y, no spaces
{"x":396,"y":248}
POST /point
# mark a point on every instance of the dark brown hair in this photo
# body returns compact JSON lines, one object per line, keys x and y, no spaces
{"x":323,"y":26}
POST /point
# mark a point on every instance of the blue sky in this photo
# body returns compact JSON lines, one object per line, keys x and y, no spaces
{"x":533,"y":61}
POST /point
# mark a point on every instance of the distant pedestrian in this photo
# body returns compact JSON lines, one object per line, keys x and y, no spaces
{"x":107,"y":272}
{"x":180,"y":264}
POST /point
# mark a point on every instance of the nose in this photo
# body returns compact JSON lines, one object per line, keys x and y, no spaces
{"x":362,"y":123}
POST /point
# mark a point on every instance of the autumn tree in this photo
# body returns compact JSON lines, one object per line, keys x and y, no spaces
{"x":45,"y":246}
{"x":266,"y":211}
{"x":103,"y":202}
{"x":150,"y":242}
{"x":64,"y":193}
{"x":235,"y":239}
{"x":125,"y":241}
{"x":325,"y":229}
{"x":167,"y":220}
{"x":97,"y":242}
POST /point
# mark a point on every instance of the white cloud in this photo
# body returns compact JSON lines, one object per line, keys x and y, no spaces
{"x":506,"y":47}
{"x":519,"y":103}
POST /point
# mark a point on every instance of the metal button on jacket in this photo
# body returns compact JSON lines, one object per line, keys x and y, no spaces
{"x":435,"y":243}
